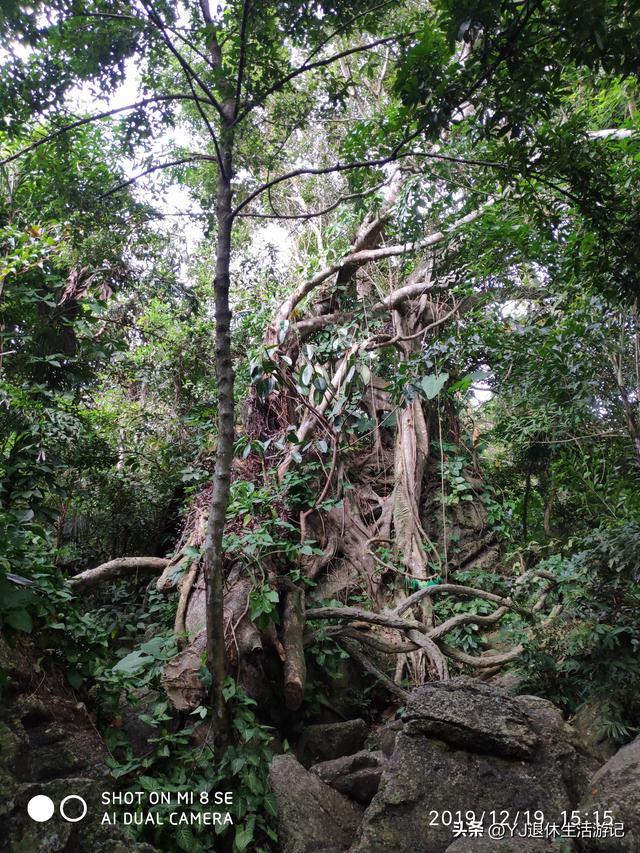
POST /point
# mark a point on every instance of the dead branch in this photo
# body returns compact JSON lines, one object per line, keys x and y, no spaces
{"x":115,"y":569}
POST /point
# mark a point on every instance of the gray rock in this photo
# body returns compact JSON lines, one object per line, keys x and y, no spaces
{"x":508,"y":681}
{"x":312,"y":817}
{"x":50,"y":746}
{"x":427,"y":776}
{"x":516,"y":845}
{"x":616,"y":788}
{"x":469,"y":714}
{"x":561,"y":739}
{"x":357,"y":776}
{"x":326,"y":741}
{"x":384,"y":738}
{"x":590,"y":728}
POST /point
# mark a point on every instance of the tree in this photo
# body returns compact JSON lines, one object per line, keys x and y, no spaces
{"x":474,"y":109}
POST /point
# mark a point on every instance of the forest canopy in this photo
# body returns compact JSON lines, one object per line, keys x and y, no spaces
{"x":319,"y":355}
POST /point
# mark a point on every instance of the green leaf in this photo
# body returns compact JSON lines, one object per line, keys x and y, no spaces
{"x":244,"y":837}
{"x":432,"y":384}
{"x":132,"y":662}
{"x":20,"y":620}
{"x":75,"y":679}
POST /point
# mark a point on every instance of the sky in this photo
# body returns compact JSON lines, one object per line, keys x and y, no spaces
{"x":175,"y":198}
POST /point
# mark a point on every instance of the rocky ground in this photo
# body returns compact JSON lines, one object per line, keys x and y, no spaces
{"x":50,"y":746}
{"x":460,"y":747}
{"x":456,"y":753}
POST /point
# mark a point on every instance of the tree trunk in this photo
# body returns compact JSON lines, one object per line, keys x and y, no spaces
{"x":295,"y":670}
{"x":216,"y":657}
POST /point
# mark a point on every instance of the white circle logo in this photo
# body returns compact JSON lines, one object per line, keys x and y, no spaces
{"x":40,"y":808}
{"x":66,"y":800}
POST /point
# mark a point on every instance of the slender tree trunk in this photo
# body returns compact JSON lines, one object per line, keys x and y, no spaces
{"x":216,"y":657}
{"x":525,"y":504}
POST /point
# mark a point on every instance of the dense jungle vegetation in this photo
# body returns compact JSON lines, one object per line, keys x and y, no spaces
{"x":319,"y":340}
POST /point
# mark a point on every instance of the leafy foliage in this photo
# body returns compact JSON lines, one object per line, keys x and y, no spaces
{"x":589,"y":653}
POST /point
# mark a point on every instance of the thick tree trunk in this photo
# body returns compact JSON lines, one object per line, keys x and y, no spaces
{"x":216,"y":657}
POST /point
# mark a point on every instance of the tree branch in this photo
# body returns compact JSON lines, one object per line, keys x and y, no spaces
{"x":192,"y":158}
{"x":389,"y":620}
{"x":116,"y":569}
{"x":455,"y":589}
{"x":302,"y":69}
{"x":186,"y":67}
{"x":372,"y":669}
{"x":243,"y":55}
{"x":316,"y":213}
{"x":481,"y":661}
{"x":360,"y":257}
{"x":97,"y":117}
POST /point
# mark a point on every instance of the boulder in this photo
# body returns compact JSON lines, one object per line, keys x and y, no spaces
{"x":615,"y":789}
{"x":466,"y":713}
{"x":384,"y":738}
{"x":312,"y":817}
{"x":517,"y":845}
{"x":590,"y":727}
{"x":357,"y":776}
{"x":326,"y":741}
{"x":508,"y":681}
{"x":474,"y":750}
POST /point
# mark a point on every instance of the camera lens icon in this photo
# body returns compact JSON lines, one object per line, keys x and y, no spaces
{"x":41,"y":808}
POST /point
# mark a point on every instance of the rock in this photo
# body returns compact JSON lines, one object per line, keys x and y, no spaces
{"x":384,"y":738}
{"x":516,"y":845}
{"x":469,"y":714}
{"x":529,"y":762}
{"x":50,"y":746}
{"x":616,"y":788}
{"x":311,"y":815}
{"x":357,"y":776}
{"x":590,"y":728}
{"x":325,"y":741}
{"x":560,"y":738}
{"x":508,"y":681}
